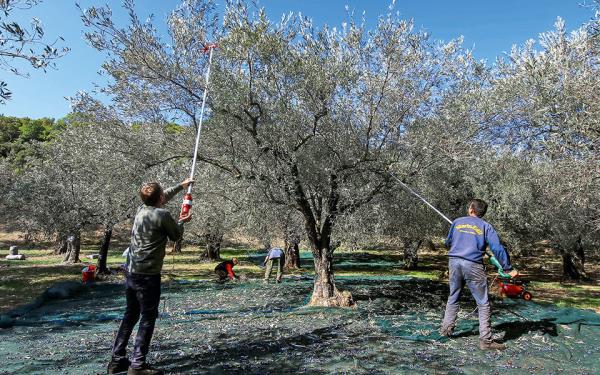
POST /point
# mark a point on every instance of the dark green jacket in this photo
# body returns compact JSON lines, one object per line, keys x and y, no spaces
{"x":152,"y":227}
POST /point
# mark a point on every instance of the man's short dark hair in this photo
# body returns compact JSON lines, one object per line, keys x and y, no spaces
{"x":479,"y":207}
{"x":150,"y":193}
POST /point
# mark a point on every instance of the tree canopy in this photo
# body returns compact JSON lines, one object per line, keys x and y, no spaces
{"x":19,"y":42}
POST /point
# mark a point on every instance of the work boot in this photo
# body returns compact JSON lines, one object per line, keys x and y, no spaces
{"x":144,"y":370}
{"x":117,"y":367}
{"x":491,"y":345}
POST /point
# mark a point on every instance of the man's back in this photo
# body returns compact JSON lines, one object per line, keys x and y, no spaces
{"x":152,"y":228}
{"x":468,"y":238}
{"x":224,"y":266}
{"x":275,"y":252}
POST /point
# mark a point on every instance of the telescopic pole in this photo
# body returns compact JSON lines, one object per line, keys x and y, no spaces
{"x":405,"y":186}
{"x":493,"y":259}
{"x":209,"y":48}
{"x":186,"y":206}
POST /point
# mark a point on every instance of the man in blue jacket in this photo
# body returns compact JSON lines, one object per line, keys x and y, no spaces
{"x":467,"y":240}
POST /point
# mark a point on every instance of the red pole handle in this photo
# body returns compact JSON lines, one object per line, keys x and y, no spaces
{"x":186,"y":206}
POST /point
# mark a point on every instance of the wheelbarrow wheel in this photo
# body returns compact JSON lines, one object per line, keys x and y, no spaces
{"x":527,"y":296}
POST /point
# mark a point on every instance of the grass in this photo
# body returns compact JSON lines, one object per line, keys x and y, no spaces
{"x":22,"y":281}
{"x":567,"y":295}
{"x":22,"y":284}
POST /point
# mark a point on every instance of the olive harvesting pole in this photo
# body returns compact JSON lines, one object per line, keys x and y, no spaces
{"x":186,"y":206}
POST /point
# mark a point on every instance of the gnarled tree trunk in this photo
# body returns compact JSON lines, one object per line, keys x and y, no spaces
{"x":177,"y":246}
{"x":325,"y":293}
{"x":212,"y":250}
{"x":292,"y":255}
{"x":61,"y":245}
{"x":104,"y":246}
{"x":573,"y":260}
{"x":411,"y":256}
{"x":318,"y":231}
{"x":73,"y":248}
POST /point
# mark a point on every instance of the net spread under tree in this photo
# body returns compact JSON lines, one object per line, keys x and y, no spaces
{"x":206,"y":327}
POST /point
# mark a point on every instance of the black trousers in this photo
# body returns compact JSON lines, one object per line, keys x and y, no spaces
{"x":222,"y":274}
{"x":143,"y":298}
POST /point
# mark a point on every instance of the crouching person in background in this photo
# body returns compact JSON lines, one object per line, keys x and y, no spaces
{"x":152,"y":226}
{"x":224,"y":270}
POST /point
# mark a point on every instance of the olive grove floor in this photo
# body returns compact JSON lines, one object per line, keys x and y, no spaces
{"x":252,"y":328}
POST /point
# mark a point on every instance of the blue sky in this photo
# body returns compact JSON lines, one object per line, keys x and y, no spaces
{"x":489,"y":27}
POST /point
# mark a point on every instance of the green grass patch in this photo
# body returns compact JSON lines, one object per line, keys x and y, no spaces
{"x":580,"y":302}
{"x":23,"y":281}
{"x":567,"y":295}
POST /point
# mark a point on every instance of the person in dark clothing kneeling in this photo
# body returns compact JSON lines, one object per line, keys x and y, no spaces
{"x":152,"y":226}
{"x":224,"y":270}
{"x":468,"y":238}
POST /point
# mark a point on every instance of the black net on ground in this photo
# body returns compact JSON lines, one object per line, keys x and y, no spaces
{"x":253,"y":328}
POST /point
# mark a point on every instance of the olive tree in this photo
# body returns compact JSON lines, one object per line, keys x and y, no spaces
{"x":88,"y":177}
{"x":547,"y":111}
{"x":217,"y":210}
{"x":56,"y":203}
{"x":549,"y":97}
{"x":320,"y":116}
{"x":311,"y":118}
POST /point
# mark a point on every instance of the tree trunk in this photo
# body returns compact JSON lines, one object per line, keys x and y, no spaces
{"x":104,"y":245}
{"x":429,"y":245}
{"x":292,"y":255}
{"x":212,"y":251}
{"x":579,"y":252}
{"x":411,"y":256}
{"x":318,"y":231}
{"x":177,"y":246}
{"x":73,"y":248}
{"x":325,"y":293}
{"x":573,"y":262}
{"x":61,"y":245}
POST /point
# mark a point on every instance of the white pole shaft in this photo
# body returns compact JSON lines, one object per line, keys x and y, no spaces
{"x":210,"y":53}
{"x":421,"y":198}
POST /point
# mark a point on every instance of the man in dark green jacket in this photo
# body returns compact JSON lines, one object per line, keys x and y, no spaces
{"x":152,"y":227}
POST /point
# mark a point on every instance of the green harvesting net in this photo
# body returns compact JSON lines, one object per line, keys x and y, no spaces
{"x":253,"y":328}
